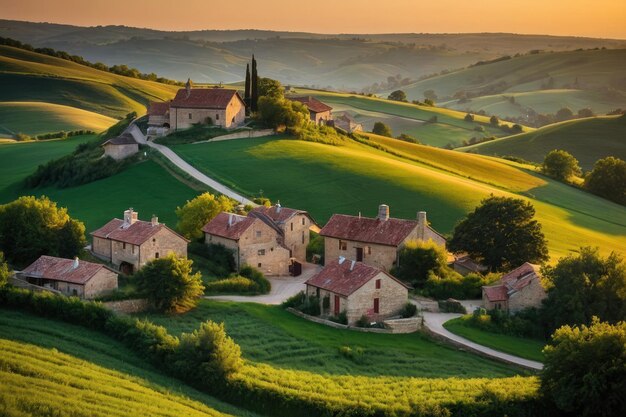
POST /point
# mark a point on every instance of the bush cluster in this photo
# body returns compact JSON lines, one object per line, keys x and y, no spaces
{"x":451,"y":306}
{"x":320,"y":134}
{"x":249,"y":281}
{"x":454,"y":285}
{"x":356,"y":355}
{"x":526,"y":323}
{"x":308,"y":304}
{"x":216,"y":260}
{"x":341,"y":318}
{"x":63,"y":135}
{"x":409,"y":310}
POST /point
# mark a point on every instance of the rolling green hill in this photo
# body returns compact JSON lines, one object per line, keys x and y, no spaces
{"x":356,"y":178}
{"x":587,"y":139}
{"x":31,"y":77}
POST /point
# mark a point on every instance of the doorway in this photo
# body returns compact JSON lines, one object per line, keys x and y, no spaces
{"x":359,"y":254}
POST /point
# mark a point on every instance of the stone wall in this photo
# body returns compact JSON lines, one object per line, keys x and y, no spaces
{"x":380,"y":256}
{"x":163,"y":243}
{"x":233,"y":115}
{"x":242,"y":135}
{"x":397,"y":326}
{"x":392,"y":297}
{"x":124,"y":252}
{"x":118,"y":152}
{"x":530,"y":296}
{"x":103,"y":282}
{"x":320,"y":118}
{"x":128,"y":306}
{"x":297,"y":235}
{"x":101,"y":247}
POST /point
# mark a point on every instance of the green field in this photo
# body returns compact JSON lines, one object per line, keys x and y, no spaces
{"x":587,"y":139}
{"x":356,"y":178}
{"x":49,"y":361}
{"x":271,"y":335}
{"x":32,"y":77}
{"x":518,"y":346}
{"x":35,"y":118}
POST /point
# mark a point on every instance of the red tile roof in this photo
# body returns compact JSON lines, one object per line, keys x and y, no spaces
{"x":312,"y":104}
{"x":496,"y":293}
{"x":228,"y":225}
{"x":390,"y":232}
{"x":135,"y":234}
{"x":337,"y":277}
{"x":158,"y":108}
{"x":468,"y":263}
{"x":123,"y":139}
{"x":279,"y":214}
{"x":512,"y":282}
{"x":204,"y":98}
{"x":60,"y":269}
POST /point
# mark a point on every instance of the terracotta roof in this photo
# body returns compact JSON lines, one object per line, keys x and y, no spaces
{"x":123,"y":139}
{"x":228,"y":225}
{"x":312,"y":104}
{"x":204,"y":98}
{"x":468,"y":263}
{"x":512,"y":282}
{"x":390,"y":232}
{"x":279,"y":214}
{"x":135,"y":234}
{"x":337,"y":277}
{"x":158,"y":108}
{"x":61,"y":269}
{"x":496,"y":293}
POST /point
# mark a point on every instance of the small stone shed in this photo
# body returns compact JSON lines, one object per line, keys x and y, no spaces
{"x":121,"y":147}
{"x":519,"y":289}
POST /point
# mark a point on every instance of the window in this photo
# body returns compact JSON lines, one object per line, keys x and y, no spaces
{"x":261,"y":252}
{"x":132,"y":249}
{"x":217,"y":117}
{"x":292,"y":226}
{"x":368,"y":250}
{"x":376,"y":305}
{"x":378,"y":284}
{"x":74,"y":292}
{"x":156,"y":255}
{"x":343,"y":245}
{"x":153,"y":240}
{"x":258,"y":233}
{"x":190,"y":116}
{"x":303,"y":237}
{"x":258,"y":265}
{"x":124,"y":245}
{"x":303,"y":221}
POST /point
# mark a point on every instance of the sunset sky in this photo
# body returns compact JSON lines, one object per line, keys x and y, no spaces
{"x":596,"y":18}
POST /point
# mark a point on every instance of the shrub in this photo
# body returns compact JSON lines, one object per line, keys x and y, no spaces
{"x":199,"y":211}
{"x":5,"y":271}
{"x":232,"y":285}
{"x":407,"y":138}
{"x":319,"y":134}
{"x":308,"y":304}
{"x":382,"y":129}
{"x":363,"y":321}
{"x":294,"y":301}
{"x":341,"y":318}
{"x":608,"y":179}
{"x":526,"y":323}
{"x":469,"y":117}
{"x":560,"y":165}
{"x":356,"y":355}
{"x":454,"y":285}
{"x":417,"y":260}
{"x":253,"y":274}
{"x":214,"y":260}
{"x":409,"y":310}
{"x":315,"y":247}
{"x":451,"y":306}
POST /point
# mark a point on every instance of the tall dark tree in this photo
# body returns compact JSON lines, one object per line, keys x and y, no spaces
{"x":246,"y":94}
{"x":254,"y":87}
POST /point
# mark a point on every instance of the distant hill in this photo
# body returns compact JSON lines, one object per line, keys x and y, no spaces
{"x":587,"y":139}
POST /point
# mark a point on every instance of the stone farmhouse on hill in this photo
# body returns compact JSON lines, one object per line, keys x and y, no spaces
{"x":71,"y":277}
{"x":130,"y":243}
{"x":222,"y":107}
{"x":268,"y":238}
{"x":347,"y":123}
{"x":374,"y":241}
{"x":515,"y":291}
{"x":319,"y":112}
{"x":121,"y":147}
{"x":358,"y":289}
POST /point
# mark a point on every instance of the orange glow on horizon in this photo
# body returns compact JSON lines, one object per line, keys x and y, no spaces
{"x":600,"y":18}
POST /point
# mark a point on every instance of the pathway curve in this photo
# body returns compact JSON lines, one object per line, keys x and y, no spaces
{"x":434,"y":322}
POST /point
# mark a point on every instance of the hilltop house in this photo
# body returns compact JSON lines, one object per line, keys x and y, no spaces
{"x":358,"y":289}
{"x":319,"y":112}
{"x":374,"y":241}
{"x":347,"y":123}
{"x":130,"y":243}
{"x":515,"y":291}
{"x":70,"y":276}
{"x":268,"y":238}
{"x":121,"y":147}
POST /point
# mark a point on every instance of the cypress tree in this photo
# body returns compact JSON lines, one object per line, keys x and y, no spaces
{"x":246,"y":95}
{"x":254,"y":93}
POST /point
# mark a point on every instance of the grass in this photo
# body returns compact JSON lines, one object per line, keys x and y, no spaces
{"x":357,"y":178}
{"x":587,"y":139}
{"x":518,"y":346}
{"x":19,"y":117}
{"x":271,"y":335}
{"x":60,"y":360}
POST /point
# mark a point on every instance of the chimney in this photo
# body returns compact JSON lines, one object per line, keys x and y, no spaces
{"x":154,"y":220}
{"x":230,"y":219}
{"x":341,"y":260}
{"x":188,"y":86}
{"x":75,"y":263}
{"x":422,"y":224}
{"x":278,"y":206}
{"x":383,"y":212}
{"x":352,"y":265}
{"x":130,"y":217}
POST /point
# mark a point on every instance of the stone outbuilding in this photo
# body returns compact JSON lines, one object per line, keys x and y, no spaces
{"x":130,"y":243}
{"x":159,"y":114}
{"x":121,"y":147}
{"x":72,"y":277}
{"x":519,"y":289}
{"x":358,"y":290}
{"x":464,"y":264}
{"x":375,"y":241}
{"x":347,"y":123}
{"x":319,"y":112}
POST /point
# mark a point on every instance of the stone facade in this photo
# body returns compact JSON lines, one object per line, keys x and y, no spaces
{"x":380,"y":256}
{"x":320,"y":118}
{"x":118,"y":152}
{"x":531,"y":295}
{"x":519,"y":289}
{"x":230,"y":117}
{"x":297,"y":235}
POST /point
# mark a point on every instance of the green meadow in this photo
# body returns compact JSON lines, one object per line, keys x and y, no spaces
{"x":356,"y":178}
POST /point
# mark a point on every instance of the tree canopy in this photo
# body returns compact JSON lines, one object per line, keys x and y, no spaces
{"x":501,"y":234}
{"x":418,"y":260}
{"x":199,"y":211}
{"x":277,"y":112}
{"x":31,"y":227}
{"x":382,"y":129}
{"x":169,"y":284}
{"x":564,"y":114}
{"x":270,"y":88}
{"x":608,"y":179}
{"x":560,"y":165}
{"x":5,"y":271}
{"x":397,"y":95}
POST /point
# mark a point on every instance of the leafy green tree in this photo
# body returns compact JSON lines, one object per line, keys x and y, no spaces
{"x":169,"y":284}
{"x":585,"y":369}
{"x":31,"y":227}
{"x":418,"y":260}
{"x":270,"y":88}
{"x":501,"y":234}
{"x":430,"y":103}
{"x":584,"y":286}
{"x":469,"y":117}
{"x":254,"y":87}
{"x":246,"y":93}
{"x":586,"y":112}
{"x":564,"y":114}
{"x":608,"y":179}
{"x":199,"y":211}
{"x":560,"y":165}
{"x":277,"y":112}
{"x":5,"y":271}
{"x":397,"y":95}
{"x":494,"y":121}
{"x":382,"y":129}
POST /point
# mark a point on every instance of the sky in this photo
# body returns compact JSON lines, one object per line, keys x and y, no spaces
{"x":593,"y":18}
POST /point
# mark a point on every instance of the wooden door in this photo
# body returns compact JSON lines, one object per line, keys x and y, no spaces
{"x":376,"y":305}
{"x":359,"y":254}
{"x":337,"y":305}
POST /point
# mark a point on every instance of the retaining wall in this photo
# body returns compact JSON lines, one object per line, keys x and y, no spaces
{"x":127,"y":306}
{"x":241,"y":135}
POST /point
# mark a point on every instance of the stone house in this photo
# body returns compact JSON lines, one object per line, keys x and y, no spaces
{"x":253,"y":241}
{"x":515,"y":291}
{"x":358,"y":289}
{"x":346,"y":123}
{"x":374,"y":241}
{"x":464,"y":265}
{"x":159,"y":114}
{"x":319,"y":112}
{"x":130,"y":243}
{"x":71,"y":276}
{"x":121,"y":147}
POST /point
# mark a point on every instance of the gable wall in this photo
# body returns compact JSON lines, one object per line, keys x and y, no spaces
{"x":298,"y":238}
{"x":102,"y":282}
{"x":163,"y":242}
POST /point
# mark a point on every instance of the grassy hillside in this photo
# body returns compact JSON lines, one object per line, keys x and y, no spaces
{"x":587,"y":139}
{"x":408,"y":118}
{"x":32,"y":77}
{"x":20,"y":117}
{"x":44,"y":362}
{"x":357,"y":178}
